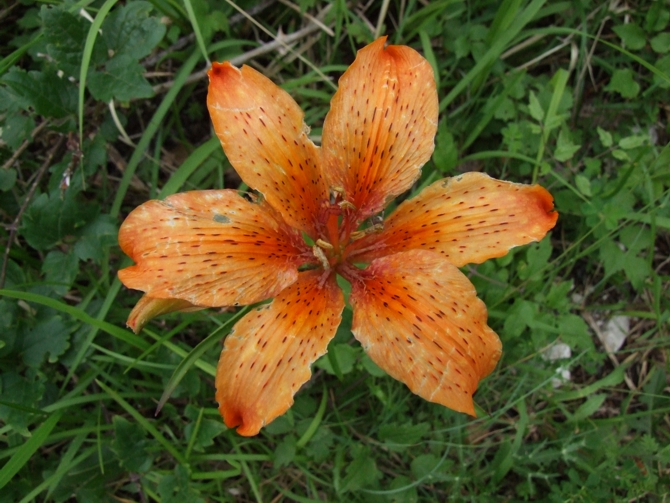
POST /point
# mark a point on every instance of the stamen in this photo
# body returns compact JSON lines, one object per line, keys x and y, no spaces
{"x":318,"y":253}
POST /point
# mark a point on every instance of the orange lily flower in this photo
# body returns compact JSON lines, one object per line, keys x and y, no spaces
{"x":416,"y":315}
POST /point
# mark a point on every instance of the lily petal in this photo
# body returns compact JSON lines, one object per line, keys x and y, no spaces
{"x":148,"y":308}
{"x":381,"y":125}
{"x":262,"y":132}
{"x":266,"y":357}
{"x":419,"y":318}
{"x":210,"y":248}
{"x":467,"y":219}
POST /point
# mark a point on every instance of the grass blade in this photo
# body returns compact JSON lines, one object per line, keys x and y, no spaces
{"x":25,"y":452}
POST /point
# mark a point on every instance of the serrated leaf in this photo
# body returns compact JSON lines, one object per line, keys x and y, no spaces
{"x":47,"y":93}
{"x":49,"y":219}
{"x":50,"y":337}
{"x":60,"y":268}
{"x":565,"y":148}
{"x":605,"y":137}
{"x":445,"y":155}
{"x":121,"y":79}
{"x":631,"y":35}
{"x":65,"y":36}
{"x":130,"y":444}
{"x":622,"y":82}
{"x":131,"y":31}
{"x":285,"y":452}
{"x":403,"y":434}
{"x":25,"y":394}
{"x":535,"y":108}
{"x":575,"y":332}
{"x":362,"y":471}
{"x":425,"y":467}
{"x":346,"y":358}
{"x":95,"y":237}
{"x":637,"y":270}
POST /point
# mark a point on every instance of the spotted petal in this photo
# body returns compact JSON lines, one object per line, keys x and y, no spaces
{"x":381,"y":125}
{"x":210,"y":248}
{"x":419,"y":318}
{"x":262,"y":132}
{"x":467,"y":219}
{"x":148,"y":308}
{"x":267,"y":355}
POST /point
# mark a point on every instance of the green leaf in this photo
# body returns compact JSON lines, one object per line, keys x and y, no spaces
{"x":362,"y":471}
{"x":49,"y":219}
{"x":634,"y":141}
{"x":535,"y":108}
{"x":622,"y":82}
{"x":445,"y":155}
{"x":632,"y":35}
{"x":7,"y":179}
{"x":661,"y":43}
{"x":565,"y":148}
{"x":65,"y":36}
{"x":25,"y":394}
{"x":285,"y":452}
{"x":588,"y":408}
{"x":47,"y":93}
{"x":605,"y":137}
{"x":47,"y":337}
{"x":131,"y":32}
{"x":26,"y":451}
{"x":403,"y":434}
{"x":637,"y":270}
{"x":95,"y":237}
{"x":575,"y":332}
{"x":60,"y":268}
{"x":346,"y":358}
{"x":122,"y":79}
{"x":16,"y":129}
{"x":583,"y":184}
{"x":130,"y":444}
{"x":426,"y":466}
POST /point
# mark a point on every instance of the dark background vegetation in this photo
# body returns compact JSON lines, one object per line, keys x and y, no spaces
{"x":102,"y":107}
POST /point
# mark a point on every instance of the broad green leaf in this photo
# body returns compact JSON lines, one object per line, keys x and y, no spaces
{"x":50,"y":337}
{"x":631,"y":35}
{"x":95,"y":237}
{"x":15,"y":130}
{"x":25,"y":394}
{"x":60,"y":268}
{"x":49,"y":219}
{"x":362,"y":471}
{"x":575,"y":332}
{"x":65,"y":36}
{"x":130,"y":31}
{"x":130,"y":444}
{"x":403,"y":434}
{"x":285,"y":451}
{"x":45,"y":92}
{"x":445,"y":155}
{"x":121,"y":79}
{"x":346,"y":358}
{"x":622,"y":82}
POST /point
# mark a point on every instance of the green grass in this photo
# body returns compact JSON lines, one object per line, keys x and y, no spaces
{"x":573,"y":95}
